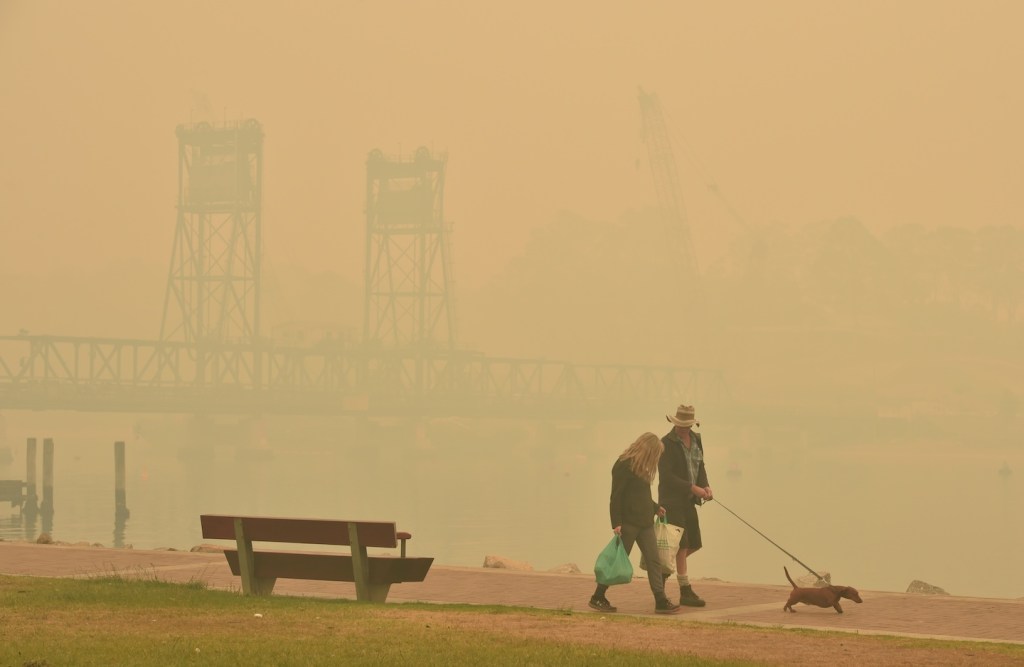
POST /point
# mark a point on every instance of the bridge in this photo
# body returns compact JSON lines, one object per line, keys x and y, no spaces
{"x":212,"y":358}
{"x":117,"y":375}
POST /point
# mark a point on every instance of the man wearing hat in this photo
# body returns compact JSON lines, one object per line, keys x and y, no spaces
{"x":682,"y":485}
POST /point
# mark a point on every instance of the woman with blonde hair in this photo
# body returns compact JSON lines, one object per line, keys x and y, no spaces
{"x":632,"y":512}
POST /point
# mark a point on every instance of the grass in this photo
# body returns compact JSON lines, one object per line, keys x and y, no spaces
{"x":138,"y":620}
{"x":127,"y":621}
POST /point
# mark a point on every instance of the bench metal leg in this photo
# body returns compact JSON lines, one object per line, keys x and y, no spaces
{"x":263,"y":585}
{"x":365,"y":591}
{"x":378,"y":592}
{"x":251,"y":584}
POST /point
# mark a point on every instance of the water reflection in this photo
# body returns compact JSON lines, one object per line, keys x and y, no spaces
{"x":120,"y":525}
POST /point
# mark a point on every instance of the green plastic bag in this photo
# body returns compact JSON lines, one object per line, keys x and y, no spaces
{"x":613,"y":566}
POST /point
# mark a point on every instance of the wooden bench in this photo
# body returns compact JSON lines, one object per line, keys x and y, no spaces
{"x":372,"y":575}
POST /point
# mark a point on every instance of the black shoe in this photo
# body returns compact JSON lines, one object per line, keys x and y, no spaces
{"x":666,"y":606}
{"x":689,"y":598}
{"x":601,"y":604}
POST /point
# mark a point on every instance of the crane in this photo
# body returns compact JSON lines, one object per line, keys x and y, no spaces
{"x":666,"y":182}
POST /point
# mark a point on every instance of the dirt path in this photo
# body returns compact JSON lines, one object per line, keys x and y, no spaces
{"x":723,"y":642}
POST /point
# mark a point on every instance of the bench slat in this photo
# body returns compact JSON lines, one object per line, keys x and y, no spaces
{"x":300,"y":531}
{"x":330,"y":567}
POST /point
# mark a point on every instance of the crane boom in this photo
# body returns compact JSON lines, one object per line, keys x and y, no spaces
{"x":666,"y":180}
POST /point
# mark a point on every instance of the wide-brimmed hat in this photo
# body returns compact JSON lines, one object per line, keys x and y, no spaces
{"x":685,"y":416}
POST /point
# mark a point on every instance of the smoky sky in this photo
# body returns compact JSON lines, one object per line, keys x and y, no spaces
{"x":890,"y":112}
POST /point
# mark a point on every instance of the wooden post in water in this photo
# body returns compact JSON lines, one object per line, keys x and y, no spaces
{"x":120,"y":502}
{"x":47,"y":505}
{"x":46,"y":509}
{"x":31,"y":499}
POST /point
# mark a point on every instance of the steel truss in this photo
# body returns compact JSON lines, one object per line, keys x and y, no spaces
{"x":117,"y":375}
{"x":213,"y":285}
{"x":408,"y":293}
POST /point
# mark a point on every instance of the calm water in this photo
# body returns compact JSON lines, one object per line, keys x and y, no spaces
{"x":877,"y":519}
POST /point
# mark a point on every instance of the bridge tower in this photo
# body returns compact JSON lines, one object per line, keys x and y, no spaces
{"x":408,"y":302}
{"x":213,"y":285}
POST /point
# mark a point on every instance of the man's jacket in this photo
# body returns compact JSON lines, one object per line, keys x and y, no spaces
{"x":674,"y":481}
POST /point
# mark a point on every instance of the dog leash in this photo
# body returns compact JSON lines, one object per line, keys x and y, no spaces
{"x":820,"y":578}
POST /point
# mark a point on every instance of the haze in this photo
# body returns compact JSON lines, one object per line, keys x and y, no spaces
{"x":851,"y":172}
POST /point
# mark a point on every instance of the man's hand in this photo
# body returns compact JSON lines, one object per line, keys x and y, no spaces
{"x":710,"y":496}
{"x":617,"y":530}
{"x":661,"y":511}
{"x":703,"y":494}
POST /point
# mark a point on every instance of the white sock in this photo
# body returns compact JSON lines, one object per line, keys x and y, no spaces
{"x":683,"y":580}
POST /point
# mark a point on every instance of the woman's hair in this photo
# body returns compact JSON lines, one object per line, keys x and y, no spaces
{"x":643,"y":456}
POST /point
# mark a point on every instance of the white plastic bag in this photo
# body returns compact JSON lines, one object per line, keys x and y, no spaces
{"x":668,"y":537}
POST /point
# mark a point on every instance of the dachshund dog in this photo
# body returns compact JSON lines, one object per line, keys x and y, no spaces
{"x":820,"y":597}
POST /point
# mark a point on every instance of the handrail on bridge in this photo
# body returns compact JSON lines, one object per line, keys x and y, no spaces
{"x":61,"y":371}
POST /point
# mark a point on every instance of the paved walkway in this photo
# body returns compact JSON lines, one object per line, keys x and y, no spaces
{"x":943,"y":617}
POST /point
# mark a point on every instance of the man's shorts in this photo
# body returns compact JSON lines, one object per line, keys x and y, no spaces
{"x":691,"y":528}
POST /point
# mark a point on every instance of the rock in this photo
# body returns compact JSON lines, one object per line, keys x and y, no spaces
{"x":918,"y":586}
{"x":566,"y":568}
{"x":207,"y":549}
{"x":502,"y":563}
{"x":44,"y":538}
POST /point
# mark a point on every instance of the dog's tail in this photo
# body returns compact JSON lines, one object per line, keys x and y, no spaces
{"x":788,"y":577}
